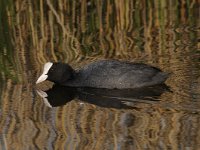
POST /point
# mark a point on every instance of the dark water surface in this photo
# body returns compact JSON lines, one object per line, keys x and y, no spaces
{"x":165,"y":34}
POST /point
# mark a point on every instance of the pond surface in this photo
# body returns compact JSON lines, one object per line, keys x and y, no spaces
{"x":164,"y":34}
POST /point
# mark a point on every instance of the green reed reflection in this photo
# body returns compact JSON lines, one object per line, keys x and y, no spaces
{"x":7,"y":59}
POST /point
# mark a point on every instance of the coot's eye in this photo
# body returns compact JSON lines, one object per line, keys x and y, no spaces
{"x":52,"y":69}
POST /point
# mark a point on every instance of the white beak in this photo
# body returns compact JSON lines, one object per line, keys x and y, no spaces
{"x":44,"y":75}
{"x":44,"y":97}
{"x":42,"y":78}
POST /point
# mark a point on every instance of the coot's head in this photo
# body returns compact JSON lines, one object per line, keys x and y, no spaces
{"x":56,"y":72}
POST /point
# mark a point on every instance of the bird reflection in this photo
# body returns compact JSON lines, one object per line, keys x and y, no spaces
{"x":109,"y":98}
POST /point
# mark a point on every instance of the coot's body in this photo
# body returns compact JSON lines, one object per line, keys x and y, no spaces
{"x":106,"y":74}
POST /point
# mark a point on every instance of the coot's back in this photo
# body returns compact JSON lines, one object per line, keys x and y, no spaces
{"x":117,"y":74}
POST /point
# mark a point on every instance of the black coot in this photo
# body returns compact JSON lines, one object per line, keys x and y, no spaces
{"x":104,"y":74}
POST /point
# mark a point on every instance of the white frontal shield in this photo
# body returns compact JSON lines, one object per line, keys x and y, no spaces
{"x":44,"y":75}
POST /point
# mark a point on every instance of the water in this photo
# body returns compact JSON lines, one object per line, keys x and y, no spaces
{"x":161,"y":33}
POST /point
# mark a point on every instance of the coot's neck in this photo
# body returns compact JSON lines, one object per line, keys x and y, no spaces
{"x":74,"y":74}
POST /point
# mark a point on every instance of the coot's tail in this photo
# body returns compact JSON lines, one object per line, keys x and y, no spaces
{"x":161,"y":77}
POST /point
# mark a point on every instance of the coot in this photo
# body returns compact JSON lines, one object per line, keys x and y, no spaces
{"x":104,"y":74}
